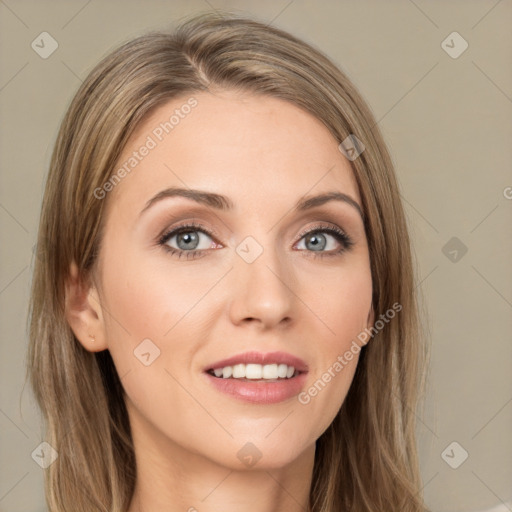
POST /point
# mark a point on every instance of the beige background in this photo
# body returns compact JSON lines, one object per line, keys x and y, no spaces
{"x":448,"y":125}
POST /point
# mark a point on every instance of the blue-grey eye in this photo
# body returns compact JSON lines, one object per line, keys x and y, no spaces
{"x":189,"y":240}
{"x":318,"y":241}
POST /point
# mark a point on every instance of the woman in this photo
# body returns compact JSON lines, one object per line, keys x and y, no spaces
{"x":223,"y":315}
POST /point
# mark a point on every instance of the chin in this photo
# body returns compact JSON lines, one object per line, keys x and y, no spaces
{"x":265,"y":454}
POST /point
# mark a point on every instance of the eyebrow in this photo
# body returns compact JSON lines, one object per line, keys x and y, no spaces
{"x":220,"y":202}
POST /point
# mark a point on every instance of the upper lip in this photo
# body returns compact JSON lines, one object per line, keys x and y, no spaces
{"x":261,"y":358}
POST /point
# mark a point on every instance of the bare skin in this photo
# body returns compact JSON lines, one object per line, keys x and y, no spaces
{"x":264,"y":154}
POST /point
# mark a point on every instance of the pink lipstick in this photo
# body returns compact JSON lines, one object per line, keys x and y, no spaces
{"x":257,"y":377}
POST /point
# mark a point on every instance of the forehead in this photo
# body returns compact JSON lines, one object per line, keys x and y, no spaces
{"x":249,"y":147}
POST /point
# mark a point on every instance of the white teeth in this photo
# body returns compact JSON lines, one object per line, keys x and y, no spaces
{"x":270,"y":371}
{"x":239,"y":371}
{"x":282,"y":371}
{"x":255,"y":371}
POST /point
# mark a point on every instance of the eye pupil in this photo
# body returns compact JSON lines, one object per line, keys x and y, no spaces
{"x":190,"y":237}
{"x":317,"y":242}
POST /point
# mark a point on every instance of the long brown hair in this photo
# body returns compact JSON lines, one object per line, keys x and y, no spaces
{"x":367,"y":458}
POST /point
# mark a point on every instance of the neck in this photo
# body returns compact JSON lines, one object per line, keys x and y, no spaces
{"x":174,"y":479}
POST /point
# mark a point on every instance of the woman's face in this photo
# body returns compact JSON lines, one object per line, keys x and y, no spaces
{"x":246,"y":289}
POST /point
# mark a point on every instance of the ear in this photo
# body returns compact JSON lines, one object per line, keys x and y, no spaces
{"x":83,"y":311}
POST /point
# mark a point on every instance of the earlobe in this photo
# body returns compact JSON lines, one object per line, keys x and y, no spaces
{"x":83,"y":311}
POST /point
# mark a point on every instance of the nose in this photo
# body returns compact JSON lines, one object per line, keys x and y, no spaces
{"x":262,"y":292}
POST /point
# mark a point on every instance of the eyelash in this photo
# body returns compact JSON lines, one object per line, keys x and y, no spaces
{"x":345,"y":241}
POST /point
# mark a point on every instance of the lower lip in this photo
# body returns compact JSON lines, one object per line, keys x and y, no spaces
{"x":260,"y":391}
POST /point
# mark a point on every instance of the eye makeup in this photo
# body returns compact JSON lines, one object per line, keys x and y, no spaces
{"x":343,"y":239}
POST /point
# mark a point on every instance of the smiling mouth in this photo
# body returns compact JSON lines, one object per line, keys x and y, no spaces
{"x":255,"y":372}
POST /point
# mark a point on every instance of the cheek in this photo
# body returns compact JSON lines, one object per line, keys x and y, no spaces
{"x":157,"y":318}
{"x":153,"y":332}
{"x":147,"y":300}
{"x":342,"y":304}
